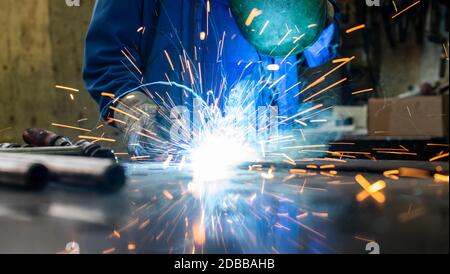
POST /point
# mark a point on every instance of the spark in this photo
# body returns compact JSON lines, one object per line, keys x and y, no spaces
{"x":325,"y":89}
{"x":141,"y":30}
{"x":168,"y":195}
{"x":269,"y":175}
{"x":264,"y":27}
{"x":296,"y":39}
{"x":124,"y":113}
{"x":320,"y":214}
{"x":392,"y":174}
{"x":253,"y":14}
{"x":395,"y":5}
{"x":362,"y":26}
{"x":97,"y":139}
{"x":131,"y":62}
{"x":109,"y":251}
{"x":440,"y":178}
{"x":439,"y":157}
{"x":370,"y":190}
{"x":340,"y":60}
{"x":362,"y":91}
{"x":302,"y":113}
{"x":202,"y":35}
{"x":364,"y":239}
{"x":199,"y":233}
{"x":398,"y":153}
{"x":67,"y":88}
{"x":438,"y":145}
{"x":319,"y":121}
{"x":406,"y":9}
{"x":169,"y":59}
{"x":168,"y":161}
{"x":143,"y":157}
{"x":445,"y":50}
{"x":323,"y":78}
{"x":116,"y":234}
{"x":284,"y":37}
{"x":71,"y":127}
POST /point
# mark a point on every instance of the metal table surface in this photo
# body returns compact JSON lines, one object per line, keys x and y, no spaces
{"x":162,"y":211}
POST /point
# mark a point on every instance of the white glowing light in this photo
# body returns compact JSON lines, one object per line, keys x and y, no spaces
{"x":218,"y":154}
{"x":273,"y":67}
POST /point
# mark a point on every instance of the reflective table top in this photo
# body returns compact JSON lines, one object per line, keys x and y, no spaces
{"x":257,"y":210}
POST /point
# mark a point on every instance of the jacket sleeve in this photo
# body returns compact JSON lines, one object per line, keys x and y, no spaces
{"x":326,"y":47}
{"x":112,"y":61}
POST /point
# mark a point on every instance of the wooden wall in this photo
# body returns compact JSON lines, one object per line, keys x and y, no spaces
{"x":41,"y":45}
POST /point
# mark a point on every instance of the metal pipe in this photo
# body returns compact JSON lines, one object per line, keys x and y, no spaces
{"x":69,"y":150}
{"x":100,"y":174}
{"x":23,"y":174}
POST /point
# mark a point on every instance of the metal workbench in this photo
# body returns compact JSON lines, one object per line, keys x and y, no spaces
{"x":248,"y":213}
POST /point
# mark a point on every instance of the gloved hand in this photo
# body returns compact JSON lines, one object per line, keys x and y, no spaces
{"x":136,"y":117}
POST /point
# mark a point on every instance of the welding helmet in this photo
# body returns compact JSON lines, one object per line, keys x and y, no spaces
{"x":278,"y":28}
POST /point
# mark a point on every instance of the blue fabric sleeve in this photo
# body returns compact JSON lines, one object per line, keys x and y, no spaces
{"x":325,"y":48}
{"x":113,"y":28}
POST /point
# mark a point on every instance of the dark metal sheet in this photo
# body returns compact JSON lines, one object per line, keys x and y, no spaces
{"x":245,"y":214}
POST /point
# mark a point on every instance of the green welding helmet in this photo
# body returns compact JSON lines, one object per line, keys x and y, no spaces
{"x":278,"y":28}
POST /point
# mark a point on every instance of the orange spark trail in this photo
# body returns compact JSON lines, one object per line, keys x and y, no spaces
{"x":97,"y":138}
{"x":325,"y":89}
{"x":355,"y":28}
{"x":170,"y":60}
{"x":253,"y":14}
{"x":322,"y":78}
{"x":132,"y":62}
{"x":406,"y":9}
{"x":71,"y":127}
{"x":362,"y":91}
{"x":107,"y":94}
{"x":124,"y":113}
{"x":439,"y":157}
{"x":301,"y":113}
{"x":67,"y":88}
{"x":370,"y":190}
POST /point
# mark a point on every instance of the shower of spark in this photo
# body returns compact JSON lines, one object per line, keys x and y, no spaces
{"x":227,"y":132}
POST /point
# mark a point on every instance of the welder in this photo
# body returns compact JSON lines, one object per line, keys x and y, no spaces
{"x":130,"y":43}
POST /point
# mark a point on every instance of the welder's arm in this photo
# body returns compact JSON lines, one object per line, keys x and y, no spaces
{"x":112,"y":42}
{"x":325,"y":48}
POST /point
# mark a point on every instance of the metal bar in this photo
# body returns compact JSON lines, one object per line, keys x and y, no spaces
{"x":69,"y":150}
{"x":23,"y":174}
{"x":99,"y":174}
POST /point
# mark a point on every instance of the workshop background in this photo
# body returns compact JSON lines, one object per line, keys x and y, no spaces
{"x":42,"y":46}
